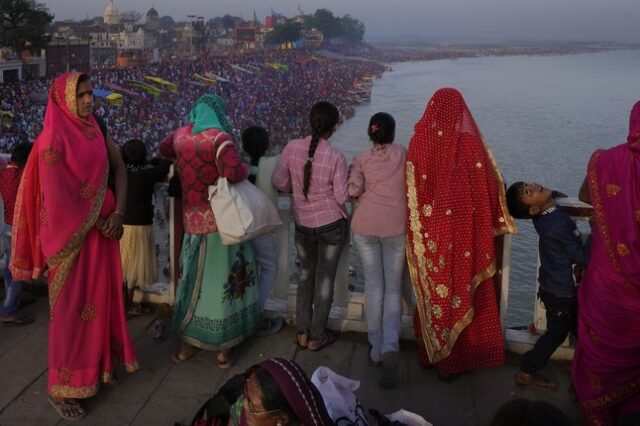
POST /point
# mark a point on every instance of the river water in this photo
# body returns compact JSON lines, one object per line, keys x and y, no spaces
{"x":542,"y":116}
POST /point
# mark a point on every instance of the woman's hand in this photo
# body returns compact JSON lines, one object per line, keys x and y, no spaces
{"x":112,"y":227}
{"x":100,"y":223}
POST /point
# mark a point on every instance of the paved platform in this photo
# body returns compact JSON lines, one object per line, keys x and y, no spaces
{"x":161,"y":392}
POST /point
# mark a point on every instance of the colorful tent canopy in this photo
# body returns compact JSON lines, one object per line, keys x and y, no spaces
{"x":209,"y":81}
{"x":217,"y":77}
{"x":122,"y":90}
{"x":113,"y":98}
{"x":239,"y":68}
{"x":278,"y":67}
{"x":152,"y":90}
{"x":170,"y":86}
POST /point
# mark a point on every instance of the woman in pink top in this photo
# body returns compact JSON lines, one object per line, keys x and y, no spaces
{"x":377,"y":179}
{"x":316,"y":175}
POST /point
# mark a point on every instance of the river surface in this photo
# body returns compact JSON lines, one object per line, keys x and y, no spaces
{"x":542,"y":116}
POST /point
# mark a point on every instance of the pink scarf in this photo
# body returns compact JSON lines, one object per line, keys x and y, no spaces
{"x":614,"y":185}
{"x":69,"y":165}
{"x":606,"y":365}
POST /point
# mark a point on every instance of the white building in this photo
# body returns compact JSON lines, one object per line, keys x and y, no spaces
{"x":125,"y":40}
{"x":111,"y":14}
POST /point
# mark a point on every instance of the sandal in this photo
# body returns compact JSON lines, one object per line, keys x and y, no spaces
{"x":16,"y":320}
{"x":535,"y":382}
{"x":185,"y":353}
{"x":328,"y":339}
{"x":225,"y":359}
{"x":447,"y":377}
{"x":302,"y":340}
{"x":112,"y":380}
{"x":70,"y":410}
{"x":137,"y":310}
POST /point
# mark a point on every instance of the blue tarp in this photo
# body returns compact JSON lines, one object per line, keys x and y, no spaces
{"x":102,"y":93}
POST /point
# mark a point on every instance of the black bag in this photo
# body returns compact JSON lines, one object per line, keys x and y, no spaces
{"x":217,"y":407}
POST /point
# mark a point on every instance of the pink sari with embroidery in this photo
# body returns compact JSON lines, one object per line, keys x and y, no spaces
{"x":62,"y":194}
{"x":606,"y":366}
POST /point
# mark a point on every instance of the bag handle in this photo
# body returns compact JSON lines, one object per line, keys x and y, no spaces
{"x":219,"y":150}
{"x":221,"y":147}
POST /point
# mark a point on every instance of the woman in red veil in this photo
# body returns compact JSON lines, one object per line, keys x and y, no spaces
{"x":68,"y":222}
{"x":456,"y":207}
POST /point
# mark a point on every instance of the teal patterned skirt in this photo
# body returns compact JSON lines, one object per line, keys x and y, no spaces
{"x":217,"y":296}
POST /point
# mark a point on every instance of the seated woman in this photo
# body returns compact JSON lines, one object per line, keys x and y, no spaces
{"x":275,"y":392}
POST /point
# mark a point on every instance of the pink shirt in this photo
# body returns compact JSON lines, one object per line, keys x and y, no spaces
{"x":328,"y":188}
{"x":377,"y":178}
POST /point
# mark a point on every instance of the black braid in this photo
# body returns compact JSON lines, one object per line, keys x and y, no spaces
{"x":315,"y":138}
{"x":323,"y":117}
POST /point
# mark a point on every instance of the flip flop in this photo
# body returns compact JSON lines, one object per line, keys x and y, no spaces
{"x":137,"y":312}
{"x":61,"y":406}
{"x":21,"y":320}
{"x":329,"y":338}
{"x":535,"y":382}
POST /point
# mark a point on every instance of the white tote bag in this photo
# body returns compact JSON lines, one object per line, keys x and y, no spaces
{"x":242,"y":210}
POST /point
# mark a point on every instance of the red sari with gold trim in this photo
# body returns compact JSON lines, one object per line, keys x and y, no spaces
{"x":456,"y":206}
{"x":62,"y":194}
{"x":606,"y":364}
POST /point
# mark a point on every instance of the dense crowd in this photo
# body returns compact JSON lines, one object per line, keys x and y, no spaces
{"x":275,"y":99}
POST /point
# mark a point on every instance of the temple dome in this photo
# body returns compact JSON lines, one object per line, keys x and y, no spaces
{"x":111,"y":14}
{"x":153,"y":13}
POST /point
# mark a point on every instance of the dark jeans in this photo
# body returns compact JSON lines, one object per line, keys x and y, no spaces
{"x":319,"y":251}
{"x":12,"y":288}
{"x":562,"y":313}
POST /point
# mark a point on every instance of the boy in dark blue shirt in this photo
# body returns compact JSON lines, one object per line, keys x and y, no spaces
{"x":560,"y":248}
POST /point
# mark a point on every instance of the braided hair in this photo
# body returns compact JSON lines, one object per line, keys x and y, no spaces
{"x":322,"y":118}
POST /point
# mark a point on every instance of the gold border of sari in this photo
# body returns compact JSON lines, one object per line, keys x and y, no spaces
{"x":70,"y":93}
{"x":63,"y":261}
{"x":613,"y":397}
{"x":510,"y":223}
{"x":598,"y":210}
{"x":75,"y":392}
{"x":435,"y":351}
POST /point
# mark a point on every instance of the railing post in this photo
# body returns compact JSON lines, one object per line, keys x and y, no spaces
{"x":504,"y":273}
{"x":281,"y":287}
{"x":341,"y":291}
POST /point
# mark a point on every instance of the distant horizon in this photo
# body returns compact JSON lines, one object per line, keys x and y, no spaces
{"x":427,"y":20}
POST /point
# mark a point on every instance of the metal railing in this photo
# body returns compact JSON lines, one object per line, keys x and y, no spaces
{"x":348,"y":312}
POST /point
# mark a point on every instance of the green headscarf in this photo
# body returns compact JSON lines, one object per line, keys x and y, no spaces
{"x":209,"y":112}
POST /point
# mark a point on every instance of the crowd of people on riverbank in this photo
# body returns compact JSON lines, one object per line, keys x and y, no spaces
{"x":256,"y":94}
{"x":414,"y":210}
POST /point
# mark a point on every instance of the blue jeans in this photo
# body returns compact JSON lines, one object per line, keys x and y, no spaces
{"x":12,"y":289}
{"x":383,"y":262}
{"x":319,"y":251}
{"x":265,"y":248}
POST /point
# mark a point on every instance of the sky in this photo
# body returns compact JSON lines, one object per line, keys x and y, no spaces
{"x":424,"y":20}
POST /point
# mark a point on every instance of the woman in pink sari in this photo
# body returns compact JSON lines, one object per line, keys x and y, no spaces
{"x":606,"y":364}
{"x":68,"y":222}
